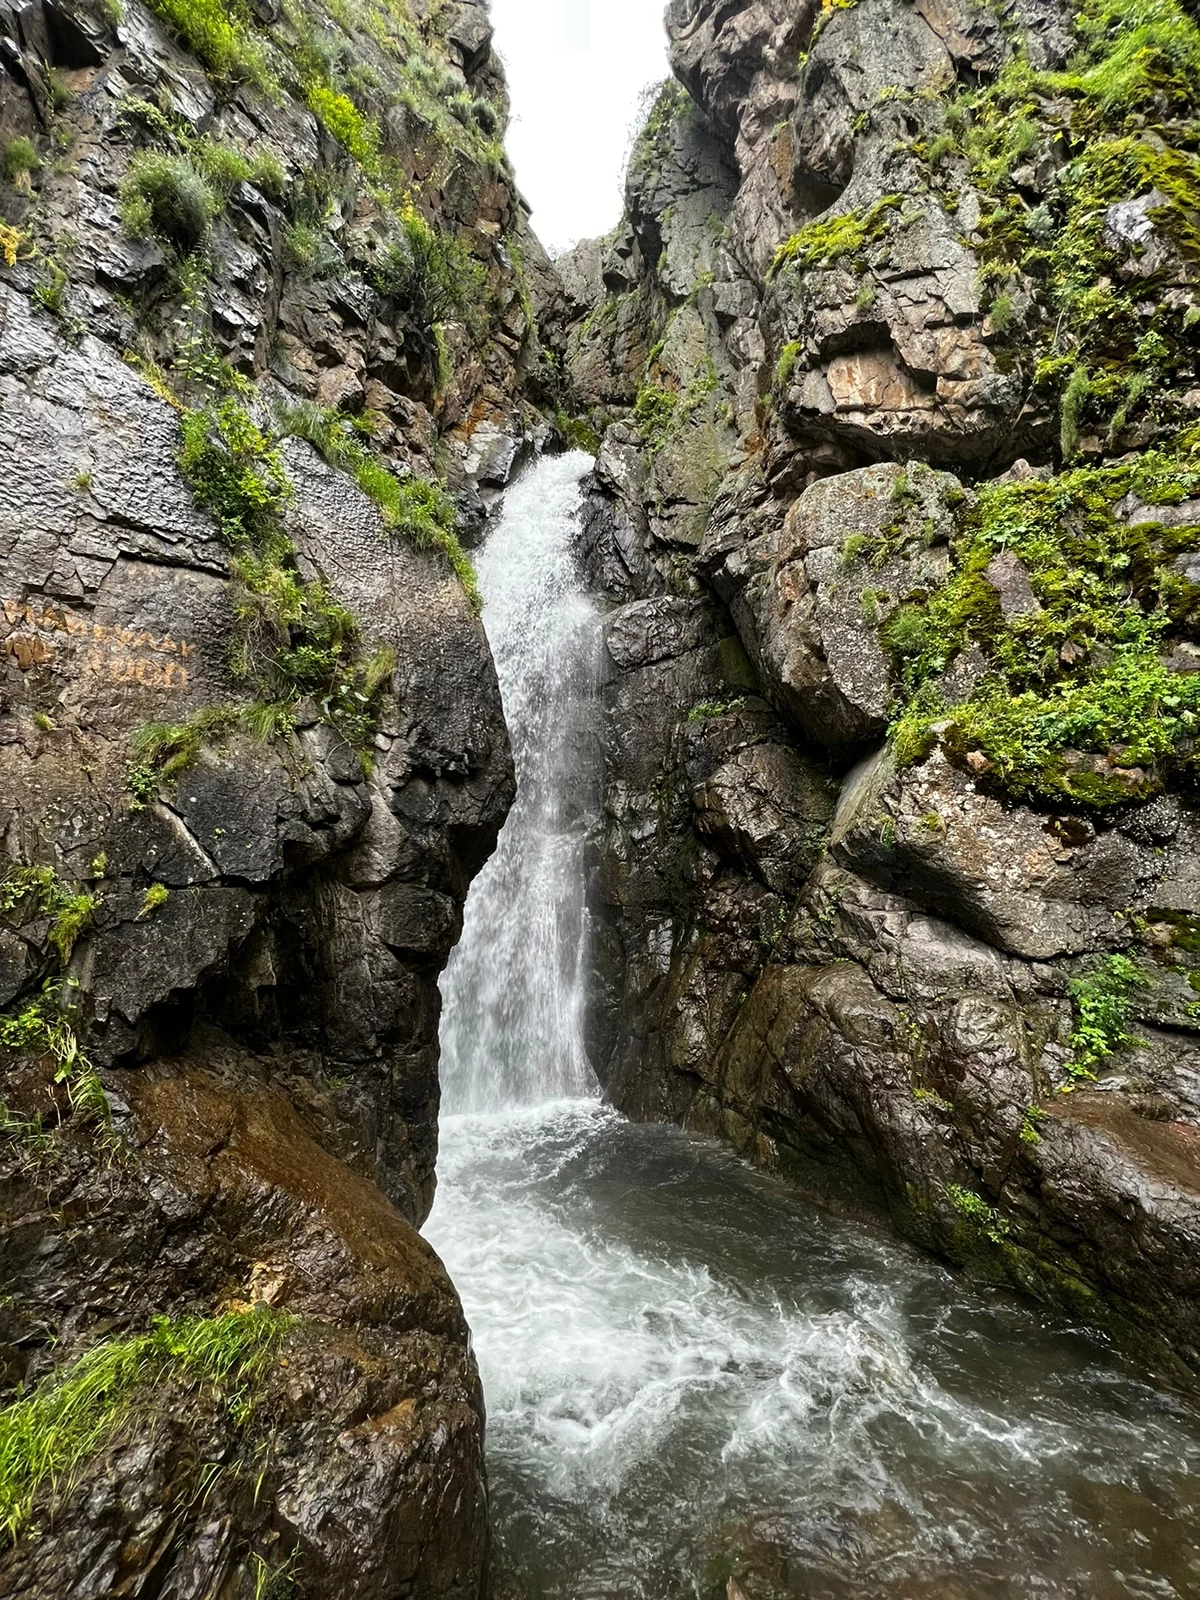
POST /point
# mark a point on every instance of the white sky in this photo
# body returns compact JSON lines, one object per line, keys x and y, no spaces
{"x":576,"y":71}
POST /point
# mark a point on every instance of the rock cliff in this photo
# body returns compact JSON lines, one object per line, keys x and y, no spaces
{"x":898,"y":510}
{"x":267,"y":338}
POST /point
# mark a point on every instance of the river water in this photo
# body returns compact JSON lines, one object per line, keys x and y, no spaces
{"x":691,"y":1377}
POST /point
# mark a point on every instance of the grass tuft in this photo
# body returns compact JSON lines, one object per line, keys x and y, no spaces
{"x":48,"y":1438}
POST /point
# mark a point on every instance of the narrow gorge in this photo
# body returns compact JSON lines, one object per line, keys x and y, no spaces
{"x":652,"y":791}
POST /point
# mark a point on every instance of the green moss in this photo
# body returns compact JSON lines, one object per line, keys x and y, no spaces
{"x":661,"y":413}
{"x":1085,"y":670}
{"x":823,"y":242}
{"x":294,"y":639}
{"x":1030,"y":1117}
{"x":1073,"y":400}
{"x":1103,"y":1005}
{"x":156,"y":895}
{"x":1123,"y":115}
{"x":578,"y":432}
{"x":47,"y":1438}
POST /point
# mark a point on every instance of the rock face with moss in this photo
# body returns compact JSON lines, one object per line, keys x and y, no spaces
{"x":267,"y":348}
{"x":898,"y":510}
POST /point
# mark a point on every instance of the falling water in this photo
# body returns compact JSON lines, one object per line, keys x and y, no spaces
{"x":513,"y":992}
{"x":690,"y":1376}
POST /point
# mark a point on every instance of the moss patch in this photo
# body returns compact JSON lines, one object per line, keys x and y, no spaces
{"x":1085,"y":671}
{"x":1102,"y":341}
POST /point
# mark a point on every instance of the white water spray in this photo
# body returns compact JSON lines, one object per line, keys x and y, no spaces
{"x":513,"y":1028}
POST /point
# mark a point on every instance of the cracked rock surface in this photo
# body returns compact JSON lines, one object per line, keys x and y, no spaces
{"x":218,"y":1069}
{"x":858,"y":960}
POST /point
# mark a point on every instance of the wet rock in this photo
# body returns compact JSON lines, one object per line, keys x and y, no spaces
{"x":811,"y":599}
{"x":885,"y":1015}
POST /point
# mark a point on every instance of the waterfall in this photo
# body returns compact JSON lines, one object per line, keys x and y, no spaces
{"x":512,"y":1029}
{"x":689,"y":1373}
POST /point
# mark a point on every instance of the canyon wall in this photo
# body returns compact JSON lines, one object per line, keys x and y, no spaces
{"x":267,"y":339}
{"x":897,"y":509}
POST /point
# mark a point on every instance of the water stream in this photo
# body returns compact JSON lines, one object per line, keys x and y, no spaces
{"x":691,"y":1376}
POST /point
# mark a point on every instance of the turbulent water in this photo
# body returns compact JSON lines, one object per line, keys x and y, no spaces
{"x":513,"y":991}
{"x":689,"y":1375}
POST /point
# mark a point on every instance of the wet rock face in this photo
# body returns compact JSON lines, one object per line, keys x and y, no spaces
{"x":869,"y":875}
{"x":253,"y":756}
{"x":359,"y":1466}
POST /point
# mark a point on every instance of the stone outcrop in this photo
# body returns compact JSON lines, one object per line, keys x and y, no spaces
{"x":898,"y":529}
{"x":253,"y":755}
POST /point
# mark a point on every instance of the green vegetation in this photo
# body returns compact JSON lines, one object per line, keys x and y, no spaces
{"x":975,"y":1211}
{"x":223,"y":34}
{"x":156,"y":895}
{"x":309,"y":251}
{"x":1103,"y":1005}
{"x":930,"y":1097}
{"x":1078,"y":700}
{"x":659,"y":413}
{"x":654,"y":410}
{"x":39,"y":1028}
{"x":357,"y":134}
{"x":295,"y":639}
{"x":165,"y":196}
{"x":1107,"y":347}
{"x":786,"y":364}
{"x":73,"y":918}
{"x":224,"y":167}
{"x":412,"y":506}
{"x":652,"y":147}
{"x":47,"y":1438}
{"x":165,"y":750}
{"x":432,"y":277}
{"x":18,"y":158}
{"x":825,"y":17}
{"x":821,"y":243}
{"x":70,"y":912}
{"x":720,"y":707}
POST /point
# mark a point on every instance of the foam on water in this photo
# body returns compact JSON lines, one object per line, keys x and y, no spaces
{"x":689,"y":1374}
